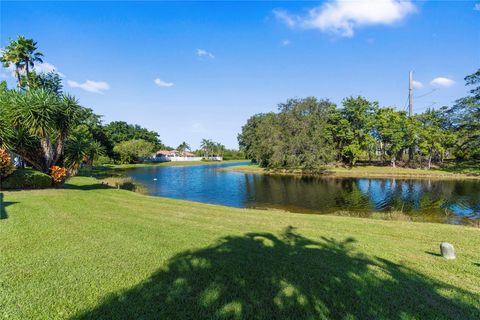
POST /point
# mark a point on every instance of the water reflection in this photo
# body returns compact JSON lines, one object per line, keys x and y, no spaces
{"x":422,"y":200}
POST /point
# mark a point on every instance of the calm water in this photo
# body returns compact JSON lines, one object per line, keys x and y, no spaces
{"x":423,"y":200}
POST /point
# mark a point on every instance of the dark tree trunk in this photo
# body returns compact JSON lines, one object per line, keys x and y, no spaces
{"x":48,"y":153}
{"x":59,"y":148}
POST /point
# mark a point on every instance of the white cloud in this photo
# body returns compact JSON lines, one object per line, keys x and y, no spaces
{"x":477,"y":7}
{"x":46,"y":67}
{"x":90,"y":86}
{"x":163,"y":84}
{"x":417,"y":84}
{"x":43,"y":67}
{"x":286,"y":18}
{"x":341,"y":17}
{"x":285,"y":43}
{"x":205,"y":53}
{"x":442,"y":82}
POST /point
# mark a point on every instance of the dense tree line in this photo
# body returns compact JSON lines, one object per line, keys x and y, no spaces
{"x":310,"y":134}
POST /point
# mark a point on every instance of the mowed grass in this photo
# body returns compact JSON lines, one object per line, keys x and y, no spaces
{"x":451,"y":172}
{"x":92,"y":252}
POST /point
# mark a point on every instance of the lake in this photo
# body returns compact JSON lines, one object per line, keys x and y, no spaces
{"x":443,"y":201}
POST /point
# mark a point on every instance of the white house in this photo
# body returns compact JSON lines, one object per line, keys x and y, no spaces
{"x":173,"y":155}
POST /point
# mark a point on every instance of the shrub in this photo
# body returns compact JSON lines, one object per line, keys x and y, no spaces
{"x":26,"y":179}
{"x":6,"y":165}
{"x":59,"y":174}
{"x":103,"y":160}
{"x":133,"y":150}
{"x":125,"y":183}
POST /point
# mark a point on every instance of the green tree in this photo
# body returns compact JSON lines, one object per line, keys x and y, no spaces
{"x":299,"y":136}
{"x":207,"y":147}
{"x":433,"y":138}
{"x":353,"y":134}
{"x":133,"y":150}
{"x":119,"y":131}
{"x":39,"y":122}
{"x":305,"y":141}
{"x":390,"y":129}
{"x":465,"y":117}
{"x":50,"y":81}
{"x":22,"y":54}
{"x":183,"y":147}
{"x":258,"y":137}
{"x":81,"y":148}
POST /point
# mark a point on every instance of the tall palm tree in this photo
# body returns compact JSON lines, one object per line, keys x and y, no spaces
{"x":206,"y":145}
{"x":183,"y":147}
{"x":11,"y":55}
{"x":220,"y":149}
{"x":23,"y":54}
{"x":29,"y":51}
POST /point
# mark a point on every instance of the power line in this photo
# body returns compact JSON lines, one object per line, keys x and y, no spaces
{"x":426,"y":94}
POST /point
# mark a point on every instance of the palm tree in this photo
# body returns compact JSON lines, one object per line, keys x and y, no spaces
{"x":76,"y":152}
{"x":29,"y":52}
{"x":183,"y":147}
{"x":206,"y":146}
{"x":80,"y":149}
{"x":23,"y":54}
{"x":96,"y":149}
{"x":220,"y":149}
{"x":43,"y":119}
{"x":11,"y":55}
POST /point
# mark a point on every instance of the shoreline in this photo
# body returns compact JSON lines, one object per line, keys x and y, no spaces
{"x":361,"y":172}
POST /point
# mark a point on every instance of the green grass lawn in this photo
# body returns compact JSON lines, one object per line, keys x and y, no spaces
{"x":457,"y":172}
{"x":91,"y":252}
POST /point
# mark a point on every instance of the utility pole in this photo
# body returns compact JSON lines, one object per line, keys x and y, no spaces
{"x":410,"y":97}
{"x":410,"y":110}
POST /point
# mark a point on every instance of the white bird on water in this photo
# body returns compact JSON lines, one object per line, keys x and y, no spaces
{"x":154,"y":179}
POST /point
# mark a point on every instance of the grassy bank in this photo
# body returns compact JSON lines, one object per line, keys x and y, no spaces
{"x":451,"y":172}
{"x":92,"y":252}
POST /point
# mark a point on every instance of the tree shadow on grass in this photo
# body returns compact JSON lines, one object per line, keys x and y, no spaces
{"x":263,"y":276}
{"x":101,"y":172}
{"x":3,"y":206}
{"x":85,"y":187}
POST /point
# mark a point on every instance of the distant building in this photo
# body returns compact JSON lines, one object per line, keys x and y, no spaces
{"x":214,"y":158}
{"x":173,"y":155}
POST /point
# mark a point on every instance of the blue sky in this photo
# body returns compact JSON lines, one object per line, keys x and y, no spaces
{"x":193,"y":70}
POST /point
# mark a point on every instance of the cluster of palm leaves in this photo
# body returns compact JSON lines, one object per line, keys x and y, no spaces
{"x":41,"y":128}
{"x":183,"y":147}
{"x":211,"y":148}
{"x":21,"y":54}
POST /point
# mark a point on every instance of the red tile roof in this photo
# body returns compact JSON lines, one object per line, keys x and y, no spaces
{"x":173,"y":153}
